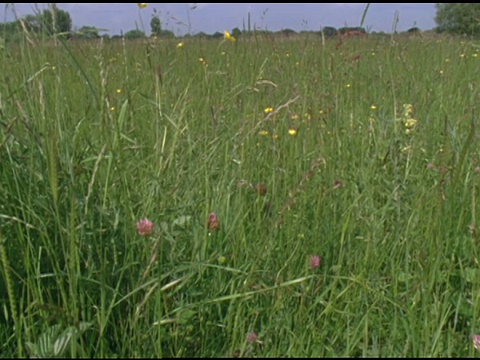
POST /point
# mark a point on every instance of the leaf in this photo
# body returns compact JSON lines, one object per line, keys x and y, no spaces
{"x":182,"y":221}
{"x":62,"y":343}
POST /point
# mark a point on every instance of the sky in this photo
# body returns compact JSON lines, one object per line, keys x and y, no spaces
{"x":191,"y":18}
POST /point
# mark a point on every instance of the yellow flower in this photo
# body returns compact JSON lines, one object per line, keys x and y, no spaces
{"x":373,"y":107}
{"x":228,"y":37}
{"x":268,"y":110}
{"x":407,"y":110}
{"x":118,"y":91}
{"x":292,"y":132}
{"x":263,"y":132}
{"x":410,"y":123}
{"x":142,"y":5}
{"x":180,"y":44}
{"x":275,"y":136}
{"x":348,"y":86}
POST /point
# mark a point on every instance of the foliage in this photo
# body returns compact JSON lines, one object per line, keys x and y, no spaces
{"x":458,"y":18}
{"x":87,"y":33}
{"x":329,"y":31}
{"x":236,"y":32}
{"x":414,"y":30}
{"x":287,"y":32}
{"x":55,"y":21}
{"x":155,"y":26}
{"x":305,"y":197}
{"x":134,"y":34}
{"x":351,"y":29}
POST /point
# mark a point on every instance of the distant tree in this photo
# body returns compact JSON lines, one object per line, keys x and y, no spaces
{"x":458,"y":18}
{"x":87,"y":32}
{"x":287,"y":32}
{"x":352,"y":29}
{"x":32,"y":22}
{"x":167,"y":34}
{"x":201,"y":34}
{"x":9,"y":27}
{"x":217,"y":35}
{"x":236,"y":33}
{"x":329,"y":31}
{"x":134,"y":34}
{"x":10,"y":32}
{"x":155,"y":26}
{"x":51,"y":21}
{"x":414,"y":30}
{"x":55,"y":20}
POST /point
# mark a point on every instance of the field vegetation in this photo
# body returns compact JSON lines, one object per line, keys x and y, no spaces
{"x":264,"y":196}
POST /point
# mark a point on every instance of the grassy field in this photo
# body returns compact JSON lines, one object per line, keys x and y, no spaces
{"x":307,"y":197}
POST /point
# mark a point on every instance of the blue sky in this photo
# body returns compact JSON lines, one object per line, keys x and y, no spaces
{"x":185,"y":18}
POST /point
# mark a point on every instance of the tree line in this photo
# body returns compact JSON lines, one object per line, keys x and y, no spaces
{"x":451,"y":18}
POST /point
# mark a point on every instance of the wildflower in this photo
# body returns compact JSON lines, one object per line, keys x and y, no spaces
{"x":228,"y":37}
{"x":373,"y":107}
{"x":261,"y":189}
{"x":142,"y":5}
{"x":213,"y":224}
{"x":476,"y":341}
{"x":112,"y":108}
{"x":292,"y":132}
{"x":252,"y":337}
{"x":145,"y":227}
{"x":118,"y":91}
{"x":407,"y":110}
{"x":410,"y":123}
{"x":348,"y":86}
{"x":275,"y":136}
{"x":202,"y":60}
{"x":295,"y":117}
{"x":338,"y":184}
{"x":315,"y":261}
{"x":268,"y":110}
{"x":263,"y":132}
{"x":222,"y":260}
{"x":180,"y":44}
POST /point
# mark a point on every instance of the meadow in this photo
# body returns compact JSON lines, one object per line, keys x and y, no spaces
{"x":304,"y":197}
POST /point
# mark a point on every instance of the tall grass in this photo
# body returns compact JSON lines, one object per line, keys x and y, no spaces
{"x":95,"y":136}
